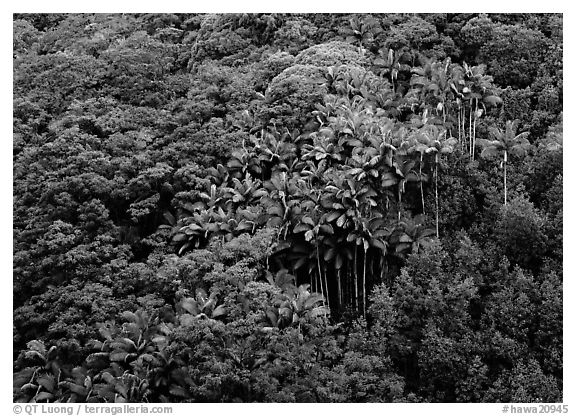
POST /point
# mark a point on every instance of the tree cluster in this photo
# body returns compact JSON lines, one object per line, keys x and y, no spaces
{"x":287,"y":208}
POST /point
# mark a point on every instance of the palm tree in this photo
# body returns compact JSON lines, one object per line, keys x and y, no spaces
{"x":245,"y":160}
{"x":411,"y":235}
{"x":362,"y":31}
{"x":404,"y":170}
{"x":374,"y":234}
{"x":506,"y":142}
{"x":388,"y":64}
{"x":421,"y":146}
{"x":437,"y":144}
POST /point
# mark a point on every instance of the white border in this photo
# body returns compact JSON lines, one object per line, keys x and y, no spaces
{"x":323,"y":6}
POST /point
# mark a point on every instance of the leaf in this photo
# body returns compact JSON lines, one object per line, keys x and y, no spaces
{"x":418,"y":71}
{"x":378,"y":244}
{"x":312,"y":300}
{"x":28,"y":386}
{"x":402,"y":247}
{"x":159,"y":339}
{"x":389,"y":182}
{"x":418,"y":80}
{"x":489,"y":152}
{"x":179,"y":391}
{"x":190,"y":305}
{"x":300,"y":262}
{"x":329,"y":254}
{"x":301,"y":248}
{"x":404,"y":238}
{"x":446,"y":150}
{"x":129,"y":316}
{"x":105,"y":332}
{"x":259,"y":193}
{"x":178,"y":238}
{"x":327,"y":229}
{"x":44,"y":395}
{"x":338,"y":263}
{"x":235,"y":164}
{"x":118,"y":355}
{"x":184,"y":248}
{"x":201,"y":295}
{"x":31,"y":354}
{"x":36,"y":345}
{"x":492,"y":100}
{"x":354,"y":143}
{"x":74,"y":388}
{"x":300,"y":228}
{"x":355,"y":171}
{"x":97,"y":359}
{"x":169,"y":218}
{"x":187,"y":320}
{"x":332,"y":216}
{"x":123,"y":343}
{"x":107,"y":377}
{"x":307,"y":220}
{"x":284,"y":279}
{"x":320,"y":311}
{"x":219,"y":311}
{"x":428,"y":232}
{"x":272,"y":317}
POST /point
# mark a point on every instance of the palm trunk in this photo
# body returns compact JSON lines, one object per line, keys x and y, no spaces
{"x":356,"y":278}
{"x":459,"y":130}
{"x":505,"y":189}
{"x":470,"y":132}
{"x":340,"y":288}
{"x":326,"y":286}
{"x":436,"y":194}
{"x":463,"y":119}
{"x":319,"y":271}
{"x":350,"y":283}
{"x":399,"y":201}
{"x":474,"y":130}
{"x":364,"y":282}
{"x":421,"y":186}
{"x":312,"y":282}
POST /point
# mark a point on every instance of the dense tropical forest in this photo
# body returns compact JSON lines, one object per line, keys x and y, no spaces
{"x":287,"y":207}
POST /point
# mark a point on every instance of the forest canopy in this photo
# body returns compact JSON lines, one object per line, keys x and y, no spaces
{"x":287,"y":207}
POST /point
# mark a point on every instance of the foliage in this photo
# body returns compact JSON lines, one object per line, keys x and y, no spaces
{"x":287,"y":207}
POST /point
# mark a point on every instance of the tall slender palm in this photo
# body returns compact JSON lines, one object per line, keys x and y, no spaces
{"x":421,"y":146}
{"x":438,"y":144}
{"x":506,"y":142}
{"x":374,"y":234}
{"x":404,"y":169}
